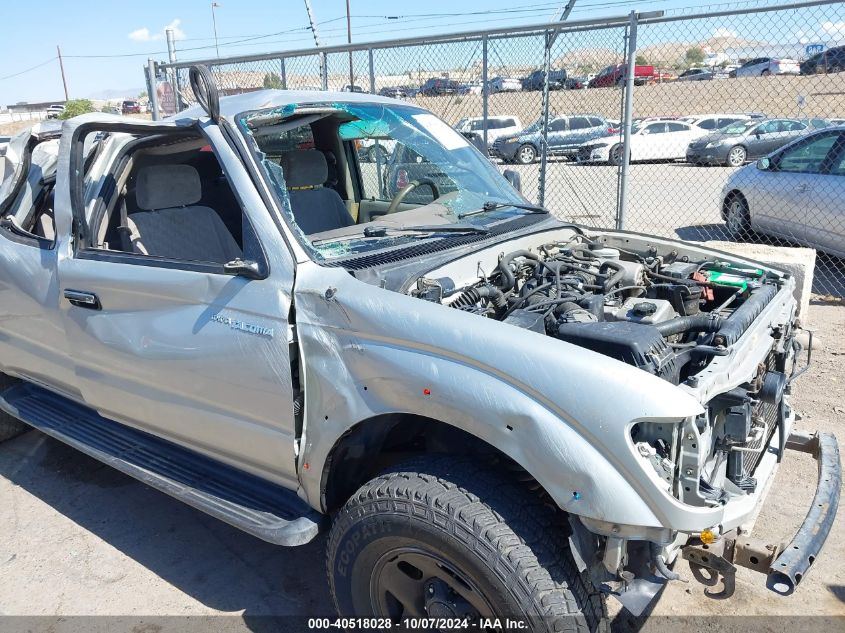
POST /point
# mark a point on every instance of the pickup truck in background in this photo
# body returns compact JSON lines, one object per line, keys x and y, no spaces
{"x":493,"y":413}
{"x":615,"y":74}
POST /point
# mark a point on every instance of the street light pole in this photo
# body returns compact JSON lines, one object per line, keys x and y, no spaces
{"x":214,"y":22}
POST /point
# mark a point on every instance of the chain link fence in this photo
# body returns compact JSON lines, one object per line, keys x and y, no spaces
{"x":732,"y":127}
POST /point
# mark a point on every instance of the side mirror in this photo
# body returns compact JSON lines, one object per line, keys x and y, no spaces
{"x":514,"y":178}
{"x":243,"y":268}
{"x":763,"y":164}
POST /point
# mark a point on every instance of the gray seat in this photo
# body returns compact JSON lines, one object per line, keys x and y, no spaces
{"x":315,"y":207}
{"x":171,"y":224}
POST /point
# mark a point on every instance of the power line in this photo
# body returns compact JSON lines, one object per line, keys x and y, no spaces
{"x":22,"y":72}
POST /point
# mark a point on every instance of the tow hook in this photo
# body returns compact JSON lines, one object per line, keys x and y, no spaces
{"x":708,"y":562}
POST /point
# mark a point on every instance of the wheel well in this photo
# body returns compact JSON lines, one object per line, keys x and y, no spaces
{"x":733,"y":193}
{"x":374,"y":445}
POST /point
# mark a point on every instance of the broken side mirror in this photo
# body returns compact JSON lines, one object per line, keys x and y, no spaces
{"x":514,"y":178}
{"x":243,"y":268}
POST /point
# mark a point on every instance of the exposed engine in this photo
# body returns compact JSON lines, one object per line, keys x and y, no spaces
{"x":665,"y":317}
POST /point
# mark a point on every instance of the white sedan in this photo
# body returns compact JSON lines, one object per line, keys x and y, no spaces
{"x":763,"y":66}
{"x":650,"y":140}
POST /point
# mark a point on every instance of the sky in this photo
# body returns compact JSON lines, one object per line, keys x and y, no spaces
{"x":105,"y":45}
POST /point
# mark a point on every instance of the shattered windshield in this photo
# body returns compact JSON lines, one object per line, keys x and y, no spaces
{"x":357,"y":177}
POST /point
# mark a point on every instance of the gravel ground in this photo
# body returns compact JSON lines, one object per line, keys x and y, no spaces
{"x":82,"y":539}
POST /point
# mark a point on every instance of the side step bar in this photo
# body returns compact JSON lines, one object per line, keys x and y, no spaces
{"x":270,"y":512}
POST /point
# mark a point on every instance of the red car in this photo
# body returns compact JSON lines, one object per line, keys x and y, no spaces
{"x":130,"y":107}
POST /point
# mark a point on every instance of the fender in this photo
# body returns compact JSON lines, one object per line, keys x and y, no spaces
{"x":562,"y":412}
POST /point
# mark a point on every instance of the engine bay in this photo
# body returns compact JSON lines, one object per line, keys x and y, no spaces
{"x":663,"y":313}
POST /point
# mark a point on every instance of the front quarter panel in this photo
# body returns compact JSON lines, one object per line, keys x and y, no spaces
{"x":563,"y":413}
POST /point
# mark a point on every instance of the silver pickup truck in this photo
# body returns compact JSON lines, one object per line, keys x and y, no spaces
{"x":495,"y":413}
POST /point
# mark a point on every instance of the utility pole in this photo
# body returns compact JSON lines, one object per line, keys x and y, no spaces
{"x":62,"y":68}
{"x":214,"y":5}
{"x":174,"y":74}
{"x":314,"y":32}
{"x":349,"y":41}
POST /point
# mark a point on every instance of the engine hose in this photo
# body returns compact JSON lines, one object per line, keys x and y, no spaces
{"x":742,"y":318}
{"x":508,"y":280}
{"x":616,"y":277}
{"x":697,"y":322}
{"x":474,"y":296}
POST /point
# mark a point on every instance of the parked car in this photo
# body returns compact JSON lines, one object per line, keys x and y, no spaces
{"x":535,"y":81}
{"x":650,"y":140}
{"x":565,"y":135}
{"x":742,"y":141}
{"x":505,"y":84}
{"x":55,"y":111}
{"x":352,"y":88}
{"x":711,"y":122}
{"x":615,"y":74}
{"x":796,"y":193}
{"x":396,"y":92}
{"x":437,"y":87}
{"x":497,"y":126}
{"x":130,"y":107}
{"x":575,"y":83}
{"x":831,"y":60}
{"x":697,"y":74}
{"x":764,"y":66}
{"x":470,"y":396}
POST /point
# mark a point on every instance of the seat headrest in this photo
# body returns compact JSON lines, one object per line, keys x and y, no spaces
{"x":304,"y":168}
{"x":166,"y":186}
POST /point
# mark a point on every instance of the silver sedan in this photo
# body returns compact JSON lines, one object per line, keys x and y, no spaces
{"x":796,"y":193}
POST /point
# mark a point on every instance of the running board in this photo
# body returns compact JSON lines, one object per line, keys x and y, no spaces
{"x":270,"y":512}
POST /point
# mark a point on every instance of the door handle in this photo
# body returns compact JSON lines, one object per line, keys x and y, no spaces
{"x":83,"y":299}
{"x":802,"y":187}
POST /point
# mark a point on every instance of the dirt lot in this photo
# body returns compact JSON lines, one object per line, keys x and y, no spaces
{"x":83,"y":539}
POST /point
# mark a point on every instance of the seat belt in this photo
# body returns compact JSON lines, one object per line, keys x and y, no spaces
{"x":123,"y":230}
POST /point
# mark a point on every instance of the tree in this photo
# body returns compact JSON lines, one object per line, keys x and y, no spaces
{"x":272,"y":80}
{"x":142,"y":95}
{"x":641,"y":61}
{"x":694,"y":56}
{"x":75,"y":107}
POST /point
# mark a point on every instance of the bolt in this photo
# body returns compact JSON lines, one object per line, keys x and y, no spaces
{"x":330,"y":293}
{"x":690,"y":436}
{"x":689,"y":472}
{"x":431,"y":589}
{"x":615,"y":529}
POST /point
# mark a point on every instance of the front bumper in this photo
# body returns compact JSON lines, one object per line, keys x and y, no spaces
{"x":505,"y":151}
{"x":707,"y":156}
{"x":593,"y":154}
{"x":785,"y":566}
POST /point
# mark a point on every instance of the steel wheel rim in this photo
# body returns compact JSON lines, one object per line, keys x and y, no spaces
{"x":526,"y":154}
{"x":400,"y":586}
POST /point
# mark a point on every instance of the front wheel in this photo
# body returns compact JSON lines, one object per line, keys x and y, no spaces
{"x":737,"y":218}
{"x":526,"y":154}
{"x":450,"y":538}
{"x":737,"y":156}
{"x":615,"y":154}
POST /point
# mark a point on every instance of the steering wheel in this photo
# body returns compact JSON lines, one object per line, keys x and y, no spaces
{"x":404,"y":191}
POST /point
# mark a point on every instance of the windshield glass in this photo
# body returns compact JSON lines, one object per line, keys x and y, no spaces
{"x":407,"y":170}
{"x":737,"y":128}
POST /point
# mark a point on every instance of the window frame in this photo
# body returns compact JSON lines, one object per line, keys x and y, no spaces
{"x":84,"y":249}
{"x":826,"y":162}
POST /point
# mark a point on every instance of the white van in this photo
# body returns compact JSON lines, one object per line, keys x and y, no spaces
{"x":505,"y":125}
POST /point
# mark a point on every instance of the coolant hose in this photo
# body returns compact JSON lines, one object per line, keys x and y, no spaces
{"x":696,"y":322}
{"x":744,"y":315}
{"x":474,"y":295}
{"x":616,"y":277}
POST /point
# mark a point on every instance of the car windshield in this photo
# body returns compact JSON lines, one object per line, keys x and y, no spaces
{"x":298,"y":145}
{"x":738,"y":127}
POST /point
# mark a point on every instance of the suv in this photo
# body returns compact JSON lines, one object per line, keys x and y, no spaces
{"x":55,"y":111}
{"x":830,"y":61}
{"x":565,"y":136}
{"x":535,"y":81}
{"x":130,"y":107}
{"x":615,"y":74}
{"x":764,"y":66}
{"x":437,"y":87}
{"x":492,"y":412}
{"x":497,"y":126}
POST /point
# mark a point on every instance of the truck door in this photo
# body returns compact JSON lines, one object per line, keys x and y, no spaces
{"x":175,"y":291}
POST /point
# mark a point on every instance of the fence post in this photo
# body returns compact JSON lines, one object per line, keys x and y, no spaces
{"x":372,"y":67}
{"x":151,"y":73}
{"x":631,"y":51}
{"x":544,"y":154}
{"x":324,"y":72}
{"x":485,"y":92}
{"x":173,"y":72}
{"x":284,"y":73}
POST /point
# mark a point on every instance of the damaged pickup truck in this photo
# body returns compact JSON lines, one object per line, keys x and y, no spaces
{"x":495,"y":413}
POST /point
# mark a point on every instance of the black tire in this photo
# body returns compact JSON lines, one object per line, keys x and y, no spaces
{"x":766,"y":73}
{"x":9,"y":427}
{"x":736,"y":156}
{"x":454,"y":518}
{"x":615,"y":154}
{"x":526,"y":154}
{"x":737,"y":216}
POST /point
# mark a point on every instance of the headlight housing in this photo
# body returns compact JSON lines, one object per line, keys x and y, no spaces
{"x":712,"y":144}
